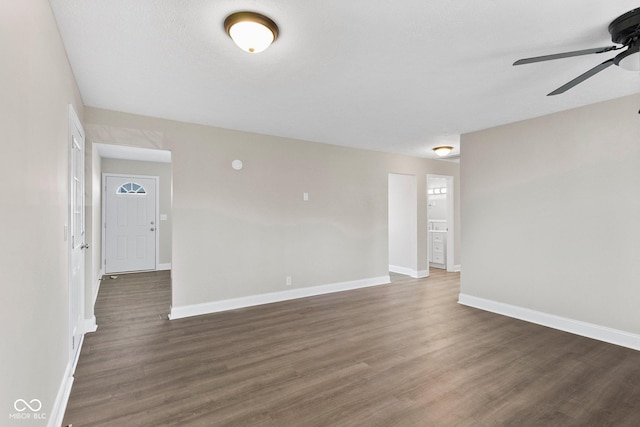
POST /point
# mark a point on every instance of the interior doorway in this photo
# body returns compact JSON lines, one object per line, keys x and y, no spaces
{"x":403,"y":225}
{"x":440,"y":222}
{"x":137,"y":163}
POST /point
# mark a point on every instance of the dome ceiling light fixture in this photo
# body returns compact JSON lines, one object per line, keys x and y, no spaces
{"x":251,"y":31}
{"x":630,"y":59}
{"x":443,"y":150}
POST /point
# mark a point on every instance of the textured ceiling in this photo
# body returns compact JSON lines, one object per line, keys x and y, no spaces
{"x":398,"y":76}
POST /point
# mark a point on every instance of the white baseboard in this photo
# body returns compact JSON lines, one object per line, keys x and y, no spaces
{"x":416,"y":274}
{"x":99,"y":282}
{"x":235,"y":303}
{"x":74,"y":363}
{"x":164,"y":266}
{"x":64,"y":391}
{"x":62,"y":398}
{"x":421,"y":273}
{"x":90,"y":325}
{"x":589,"y":330}
{"x":455,"y":269}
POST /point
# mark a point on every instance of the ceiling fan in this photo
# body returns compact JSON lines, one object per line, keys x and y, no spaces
{"x":624,"y":30}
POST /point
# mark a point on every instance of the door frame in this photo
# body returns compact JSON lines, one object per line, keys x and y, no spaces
{"x":451,"y":225}
{"x":104,"y":214}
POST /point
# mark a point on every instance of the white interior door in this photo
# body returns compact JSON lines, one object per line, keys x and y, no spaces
{"x":76,"y":233}
{"x":130,"y":223}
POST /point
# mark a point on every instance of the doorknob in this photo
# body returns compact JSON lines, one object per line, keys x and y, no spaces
{"x":85,"y":246}
{"x":153,"y":229}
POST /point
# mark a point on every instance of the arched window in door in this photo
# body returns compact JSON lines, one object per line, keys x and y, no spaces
{"x":131,"y":188}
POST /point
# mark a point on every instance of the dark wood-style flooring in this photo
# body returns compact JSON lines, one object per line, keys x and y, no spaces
{"x":404,"y":354}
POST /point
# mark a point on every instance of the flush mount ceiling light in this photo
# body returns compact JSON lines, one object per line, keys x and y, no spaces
{"x":443,"y":150}
{"x":251,"y":31}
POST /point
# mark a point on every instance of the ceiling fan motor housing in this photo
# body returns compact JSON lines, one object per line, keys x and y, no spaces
{"x":625,"y":29}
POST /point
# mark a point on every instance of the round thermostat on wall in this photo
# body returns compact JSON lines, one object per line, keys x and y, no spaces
{"x":236,"y":164}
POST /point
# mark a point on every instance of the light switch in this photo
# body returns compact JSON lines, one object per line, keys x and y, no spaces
{"x":163,"y":217}
{"x":305,"y":196}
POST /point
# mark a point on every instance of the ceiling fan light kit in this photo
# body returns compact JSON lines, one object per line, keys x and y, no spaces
{"x":624,"y":30}
{"x":629,"y":59}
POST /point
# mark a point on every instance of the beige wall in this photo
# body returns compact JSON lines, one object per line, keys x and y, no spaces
{"x":403,"y":224}
{"x":37,"y":86}
{"x":551,"y":214}
{"x":240,"y":233}
{"x":163,"y":171}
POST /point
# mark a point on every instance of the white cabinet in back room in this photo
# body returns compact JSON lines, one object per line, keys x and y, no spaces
{"x":437,"y":243}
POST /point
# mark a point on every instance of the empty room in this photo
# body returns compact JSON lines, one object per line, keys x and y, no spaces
{"x":281,"y":213}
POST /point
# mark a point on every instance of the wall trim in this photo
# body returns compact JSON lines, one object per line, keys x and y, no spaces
{"x":163,"y":266}
{"x":455,"y":269}
{"x":416,"y":274}
{"x":64,"y":391}
{"x":99,"y":282}
{"x":180,"y":312}
{"x":589,"y":330}
{"x":90,"y":325}
{"x":62,"y":398}
{"x":421,"y":274}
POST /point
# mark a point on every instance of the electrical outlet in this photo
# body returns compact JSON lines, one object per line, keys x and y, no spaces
{"x":289,"y":282}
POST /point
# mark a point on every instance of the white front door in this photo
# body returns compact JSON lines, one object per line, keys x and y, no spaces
{"x":76,"y":233}
{"x":130,"y":223}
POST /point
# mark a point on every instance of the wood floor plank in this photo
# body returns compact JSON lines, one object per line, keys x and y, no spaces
{"x":403,"y":354}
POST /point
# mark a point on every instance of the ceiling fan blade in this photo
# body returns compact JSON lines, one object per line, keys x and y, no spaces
{"x":565,"y":55}
{"x":592,"y":72}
